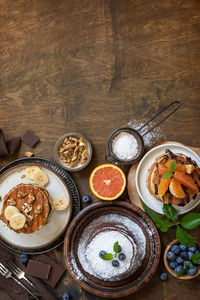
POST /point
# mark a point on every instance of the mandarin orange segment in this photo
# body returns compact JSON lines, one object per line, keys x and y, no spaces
{"x":185,"y":180}
{"x":163,"y":186}
{"x":176,"y":189}
{"x":189,"y":169}
{"x":162,"y":169}
{"x":182,"y":168}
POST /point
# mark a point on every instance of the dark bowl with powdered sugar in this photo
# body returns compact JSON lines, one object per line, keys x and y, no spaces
{"x":97,"y":228}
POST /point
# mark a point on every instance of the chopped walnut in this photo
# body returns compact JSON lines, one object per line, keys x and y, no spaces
{"x":39,"y":209}
{"x":31,"y":198}
{"x":11,"y":201}
{"x":21,"y":194}
{"x":29,"y":154}
{"x":23,"y":176}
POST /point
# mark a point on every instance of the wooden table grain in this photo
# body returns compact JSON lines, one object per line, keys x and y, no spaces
{"x":95,"y":66}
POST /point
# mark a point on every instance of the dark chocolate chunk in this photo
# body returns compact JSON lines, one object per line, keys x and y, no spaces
{"x":194,"y":196}
{"x":182,"y":203}
{"x":38,"y":269}
{"x":30,"y":138}
{"x":187,"y":197}
{"x":56,"y":272}
{"x":156,"y":189}
{"x":170,"y":198}
{"x":166,"y":158}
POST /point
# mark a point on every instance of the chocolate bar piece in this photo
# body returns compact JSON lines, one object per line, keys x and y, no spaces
{"x":30,"y":138}
{"x":56,"y":272}
{"x":38,"y":269}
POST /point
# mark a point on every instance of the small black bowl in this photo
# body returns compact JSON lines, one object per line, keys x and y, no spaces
{"x":111,"y":157}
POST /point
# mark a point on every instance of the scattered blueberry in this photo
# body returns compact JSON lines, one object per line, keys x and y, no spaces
{"x":120,"y":248}
{"x":66,"y":296}
{"x":102,"y":253}
{"x":171,"y":256}
{"x":197,"y":251}
{"x":179,"y":260}
{"x":163,"y":276}
{"x":182,"y":247}
{"x":190,"y":254}
{"x":86,"y":198}
{"x":115,"y":263}
{"x":175,"y":249}
{"x":184,"y":255}
{"x":122,"y":256}
{"x":192,"y":271}
{"x":187,"y":264}
{"x":178,"y":269}
{"x":24,"y":258}
{"x":192,"y":249}
{"x":172,"y":264}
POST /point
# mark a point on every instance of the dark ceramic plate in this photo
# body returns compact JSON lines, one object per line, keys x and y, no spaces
{"x":134,"y":281}
{"x":59,"y":175}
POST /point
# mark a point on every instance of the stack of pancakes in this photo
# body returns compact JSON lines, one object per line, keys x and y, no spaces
{"x":21,"y":194}
{"x":169,"y":197}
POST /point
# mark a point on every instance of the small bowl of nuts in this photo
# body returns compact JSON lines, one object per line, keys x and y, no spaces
{"x":73,"y":151}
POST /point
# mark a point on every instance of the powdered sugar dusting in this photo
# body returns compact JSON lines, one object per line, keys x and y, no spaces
{"x":115,"y":228}
{"x":150,"y":138}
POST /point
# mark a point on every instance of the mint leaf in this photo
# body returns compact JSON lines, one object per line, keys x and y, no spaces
{"x":167,"y":174}
{"x":170,"y":212}
{"x":191,"y":221}
{"x":184,"y":237}
{"x":181,"y":272}
{"x":191,"y":266}
{"x":160,"y":223}
{"x":172,"y":166}
{"x":195,"y":258}
{"x":116,"y":247}
{"x":107,"y":256}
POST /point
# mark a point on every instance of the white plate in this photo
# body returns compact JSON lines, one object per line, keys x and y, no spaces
{"x":57,"y":222}
{"x":142,"y":172}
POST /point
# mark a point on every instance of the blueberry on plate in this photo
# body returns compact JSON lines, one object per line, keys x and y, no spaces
{"x":192,"y":249}
{"x":102,"y":253}
{"x":175,"y":249}
{"x":86,"y":198}
{"x":122,"y":256}
{"x":120,"y":248}
{"x":179,"y":260}
{"x":184,"y":255}
{"x":178,"y":269}
{"x":163,"y":276}
{"x":24,"y":258}
{"x":172,"y":264}
{"x":192,"y":271}
{"x":171,"y":256}
{"x":66,"y":296}
{"x":115,"y":263}
{"x":182,"y":247}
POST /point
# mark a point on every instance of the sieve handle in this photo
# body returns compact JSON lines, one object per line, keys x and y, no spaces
{"x":177,"y":103}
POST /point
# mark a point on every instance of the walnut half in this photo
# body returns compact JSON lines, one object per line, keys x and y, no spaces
{"x":39,"y":209}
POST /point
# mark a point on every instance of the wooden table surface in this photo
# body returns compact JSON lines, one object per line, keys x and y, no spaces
{"x":95,"y":66}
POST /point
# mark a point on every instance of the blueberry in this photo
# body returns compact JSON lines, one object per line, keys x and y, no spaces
{"x":66,"y":296}
{"x":184,"y":255}
{"x":171,"y":256}
{"x":182,"y":247}
{"x":102,"y":253}
{"x":179,"y":260}
{"x":163,"y":276}
{"x":187,"y":264}
{"x":86,"y":198}
{"x":120,"y":248}
{"x":175,"y":249}
{"x":178,"y":269}
{"x":192,"y":271}
{"x":115,"y":263}
{"x":173,"y":264}
{"x":197,"y":251}
{"x":190,"y":254}
{"x":122,"y":256}
{"x":192,"y":249}
{"x":24,"y":258}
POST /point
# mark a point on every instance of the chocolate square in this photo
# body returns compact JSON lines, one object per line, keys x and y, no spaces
{"x":38,"y":269}
{"x":56,"y":272}
{"x":30,"y":138}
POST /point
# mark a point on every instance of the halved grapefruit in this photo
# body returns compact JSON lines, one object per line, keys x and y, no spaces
{"x":107,"y":182}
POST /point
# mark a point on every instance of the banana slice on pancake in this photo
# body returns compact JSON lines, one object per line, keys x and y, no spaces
{"x":18,"y":221}
{"x":10,"y":211}
{"x":61,"y":203}
{"x":40,"y":177}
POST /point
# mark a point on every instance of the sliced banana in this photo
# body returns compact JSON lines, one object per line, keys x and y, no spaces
{"x":18,"y":221}
{"x":10,"y":211}
{"x":61,"y":203}
{"x":30,"y":171}
{"x":40,"y":177}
